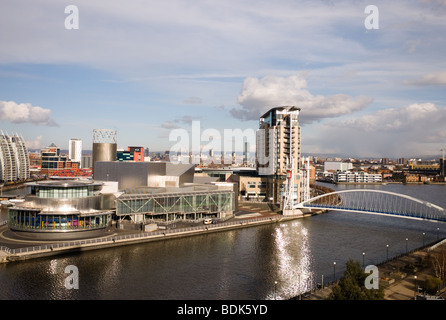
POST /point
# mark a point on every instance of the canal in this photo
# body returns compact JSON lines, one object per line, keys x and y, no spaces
{"x":265,"y":262}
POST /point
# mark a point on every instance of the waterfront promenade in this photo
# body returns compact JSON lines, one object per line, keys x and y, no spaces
{"x":15,"y":249}
{"x":401,"y":277}
{"x":248,"y":215}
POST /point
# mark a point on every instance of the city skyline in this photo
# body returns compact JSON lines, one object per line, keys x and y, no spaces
{"x":147,"y":68}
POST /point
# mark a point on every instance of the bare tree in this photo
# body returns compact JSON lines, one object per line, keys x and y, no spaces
{"x":439,"y":263}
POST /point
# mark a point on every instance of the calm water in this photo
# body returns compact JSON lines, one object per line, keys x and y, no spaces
{"x":239,"y":264}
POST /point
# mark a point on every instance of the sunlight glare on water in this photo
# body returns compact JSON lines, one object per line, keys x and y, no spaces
{"x":293,"y":261}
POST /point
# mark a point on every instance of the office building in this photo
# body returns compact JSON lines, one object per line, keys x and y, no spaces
{"x":334,"y":166}
{"x":131,"y":154}
{"x":53,"y":161}
{"x":14,"y":158}
{"x":356,"y":177}
{"x":87,"y":161}
{"x":75,"y":150}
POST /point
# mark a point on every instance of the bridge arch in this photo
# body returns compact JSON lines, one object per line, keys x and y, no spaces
{"x":376,"y":202}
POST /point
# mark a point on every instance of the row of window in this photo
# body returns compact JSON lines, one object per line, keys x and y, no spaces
{"x":185,"y":204}
{"x":62,"y":193}
{"x":28,"y":220}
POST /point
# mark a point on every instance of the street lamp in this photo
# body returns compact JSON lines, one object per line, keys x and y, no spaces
{"x":275,"y":290}
{"x":334,"y":270}
{"x":438,"y":229}
{"x":363,"y":255}
{"x":423,"y":237}
{"x":387,"y":247}
{"x":406,"y":244}
{"x":416,"y":289}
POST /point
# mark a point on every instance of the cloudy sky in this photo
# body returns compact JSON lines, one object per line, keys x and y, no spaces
{"x":146,"y":68}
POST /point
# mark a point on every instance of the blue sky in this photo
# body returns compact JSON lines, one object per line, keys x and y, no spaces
{"x":146,"y":68}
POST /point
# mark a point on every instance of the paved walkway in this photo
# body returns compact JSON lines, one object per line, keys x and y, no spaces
{"x":405,"y":285}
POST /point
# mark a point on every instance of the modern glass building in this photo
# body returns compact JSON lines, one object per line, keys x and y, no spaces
{"x":63,"y":207}
{"x":168,"y":204}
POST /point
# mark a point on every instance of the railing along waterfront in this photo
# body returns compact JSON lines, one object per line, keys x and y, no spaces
{"x":133,"y":236}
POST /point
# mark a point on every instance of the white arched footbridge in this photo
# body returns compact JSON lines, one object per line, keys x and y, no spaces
{"x":376,"y":202}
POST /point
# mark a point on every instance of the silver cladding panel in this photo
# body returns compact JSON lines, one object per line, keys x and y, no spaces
{"x":137,"y":174}
{"x":127,"y":174}
{"x":104,"y":152}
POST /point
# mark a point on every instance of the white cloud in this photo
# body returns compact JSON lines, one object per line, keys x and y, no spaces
{"x":259,"y":95}
{"x":34,"y":144}
{"x":25,"y":113}
{"x":438,"y":78}
{"x":193,"y":100}
{"x":394,"y":132}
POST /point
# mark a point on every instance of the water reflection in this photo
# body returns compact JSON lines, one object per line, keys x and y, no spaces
{"x":294,"y":261}
{"x":237,"y":264}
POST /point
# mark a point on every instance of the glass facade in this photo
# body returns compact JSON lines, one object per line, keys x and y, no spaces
{"x":31,"y":220}
{"x":62,"y":192}
{"x":187,"y":206}
{"x":60,"y":206}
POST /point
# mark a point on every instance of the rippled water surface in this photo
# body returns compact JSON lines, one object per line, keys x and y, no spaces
{"x":237,"y":264}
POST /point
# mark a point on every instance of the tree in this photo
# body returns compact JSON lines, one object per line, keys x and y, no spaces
{"x":352,"y":285}
{"x":439,"y":264}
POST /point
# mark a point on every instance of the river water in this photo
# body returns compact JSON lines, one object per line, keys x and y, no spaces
{"x":231,"y":265}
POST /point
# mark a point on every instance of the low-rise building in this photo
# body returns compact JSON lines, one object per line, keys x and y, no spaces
{"x":356,"y":177}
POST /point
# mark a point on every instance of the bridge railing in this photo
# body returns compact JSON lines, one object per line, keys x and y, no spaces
{"x":374,"y":201}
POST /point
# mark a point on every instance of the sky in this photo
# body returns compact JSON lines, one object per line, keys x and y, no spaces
{"x":370,"y":83}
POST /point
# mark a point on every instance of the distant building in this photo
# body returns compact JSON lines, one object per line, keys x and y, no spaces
{"x":75,"y":150}
{"x":14,"y":158}
{"x":53,"y":161}
{"x":131,"y":154}
{"x":356,"y":177}
{"x":442,"y":167}
{"x":87,"y":161}
{"x":337,"y":166}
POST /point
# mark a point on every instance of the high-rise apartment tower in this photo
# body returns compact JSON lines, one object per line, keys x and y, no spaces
{"x":14,"y":158}
{"x":75,"y":150}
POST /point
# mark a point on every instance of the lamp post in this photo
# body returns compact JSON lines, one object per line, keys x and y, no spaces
{"x":438,"y":229}
{"x":415,"y":289}
{"x":423,"y":237}
{"x":334,"y":270}
{"x":406,"y":244}
{"x":275,"y":290}
{"x":387,"y":248}
{"x":363,"y":255}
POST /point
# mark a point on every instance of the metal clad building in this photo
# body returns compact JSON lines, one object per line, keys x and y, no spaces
{"x":104,"y":146}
